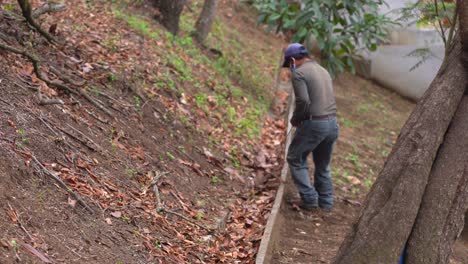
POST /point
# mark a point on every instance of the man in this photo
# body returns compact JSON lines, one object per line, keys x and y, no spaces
{"x":316,"y":128}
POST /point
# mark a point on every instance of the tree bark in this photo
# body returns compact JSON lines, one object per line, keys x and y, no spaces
{"x":440,"y":218}
{"x":462,"y":6}
{"x":393,"y":203}
{"x":205,"y":20}
{"x":27,"y":14}
{"x":170,"y":13}
{"x":393,"y":206}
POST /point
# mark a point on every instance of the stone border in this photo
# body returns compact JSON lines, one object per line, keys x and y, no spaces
{"x":264,"y":253}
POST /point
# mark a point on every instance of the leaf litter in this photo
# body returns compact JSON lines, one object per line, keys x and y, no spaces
{"x":167,"y":238}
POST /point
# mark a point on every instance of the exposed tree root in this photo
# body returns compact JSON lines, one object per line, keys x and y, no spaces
{"x":47,"y":8}
{"x":27,"y":13}
{"x":35,"y":62}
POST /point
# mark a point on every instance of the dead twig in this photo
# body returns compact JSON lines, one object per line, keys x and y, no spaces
{"x":63,"y":185}
{"x":178,"y":199}
{"x":18,"y":220}
{"x":160,"y":208}
{"x":92,"y":101}
{"x":186,"y":219}
{"x":82,"y":141}
{"x":154,"y":185}
{"x":6,"y":102}
{"x":97,"y":117}
{"x":74,"y":252}
{"x":100,"y":149}
{"x":222,"y":222}
{"x":43,"y":101}
{"x":61,"y":137}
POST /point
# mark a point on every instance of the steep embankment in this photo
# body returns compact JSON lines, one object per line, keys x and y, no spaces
{"x":164,"y":140}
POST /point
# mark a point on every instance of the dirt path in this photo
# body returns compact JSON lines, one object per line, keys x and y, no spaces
{"x":311,"y":237}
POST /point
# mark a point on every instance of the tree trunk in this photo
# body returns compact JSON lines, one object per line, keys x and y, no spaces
{"x":462,"y":6}
{"x":205,"y":20}
{"x":445,"y":202}
{"x":170,"y":13}
{"x":392,"y":204}
{"x":440,"y":217}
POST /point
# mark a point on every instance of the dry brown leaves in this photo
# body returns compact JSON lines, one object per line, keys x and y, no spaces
{"x":166,"y":237}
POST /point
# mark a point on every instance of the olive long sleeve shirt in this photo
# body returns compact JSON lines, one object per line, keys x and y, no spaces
{"x":313,"y":90}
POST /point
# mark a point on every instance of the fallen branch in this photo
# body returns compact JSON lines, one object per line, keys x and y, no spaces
{"x":27,"y":13}
{"x":47,"y":8}
{"x":63,"y":185}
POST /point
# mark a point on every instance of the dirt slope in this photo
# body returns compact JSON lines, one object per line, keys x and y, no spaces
{"x":163,"y":112}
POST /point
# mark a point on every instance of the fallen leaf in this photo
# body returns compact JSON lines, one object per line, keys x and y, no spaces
{"x":71,"y":202}
{"x":108,"y":221}
{"x":233,"y":172}
{"x":195,"y":166}
{"x":4,"y":244}
{"x":116,"y":214}
{"x":183,"y":99}
{"x":12,"y":215}
{"x":87,"y":67}
{"x":353,"y":180}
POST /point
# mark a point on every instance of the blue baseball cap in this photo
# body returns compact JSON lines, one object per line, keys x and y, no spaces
{"x":292,"y":51}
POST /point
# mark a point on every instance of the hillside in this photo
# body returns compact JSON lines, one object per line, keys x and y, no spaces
{"x":168,"y":143}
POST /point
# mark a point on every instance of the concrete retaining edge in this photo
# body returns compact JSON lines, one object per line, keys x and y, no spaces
{"x":265,"y":250}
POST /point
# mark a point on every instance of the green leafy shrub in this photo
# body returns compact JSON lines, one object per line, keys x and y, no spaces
{"x":341,"y":28}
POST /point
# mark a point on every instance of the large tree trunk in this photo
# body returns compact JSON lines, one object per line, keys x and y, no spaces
{"x":393,"y":203}
{"x":445,"y":201}
{"x":393,"y":207}
{"x":170,"y":13}
{"x":205,"y":20}
{"x":440,"y":217}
